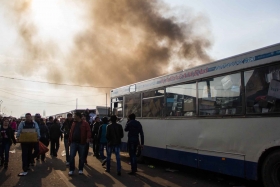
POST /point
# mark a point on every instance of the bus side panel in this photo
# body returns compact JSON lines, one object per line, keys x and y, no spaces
{"x":181,"y":157}
{"x":228,"y":166}
{"x":251,"y":170}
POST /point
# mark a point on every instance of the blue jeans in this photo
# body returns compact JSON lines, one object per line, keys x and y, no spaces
{"x":132,"y":148}
{"x":66,"y":145}
{"x":5,"y":148}
{"x":74,"y":147}
{"x":101,"y":150}
{"x":117,"y":149}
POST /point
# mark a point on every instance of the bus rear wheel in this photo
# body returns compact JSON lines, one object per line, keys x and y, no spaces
{"x":271,"y":170}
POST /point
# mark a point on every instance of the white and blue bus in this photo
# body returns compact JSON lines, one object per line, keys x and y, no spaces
{"x":222,"y":116}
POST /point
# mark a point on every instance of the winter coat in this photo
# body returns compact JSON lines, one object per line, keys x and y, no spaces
{"x":10,"y":135}
{"x":85,"y":132}
{"x":55,"y":132}
{"x":102,"y":134}
{"x":66,"y":128}
{"x":134,"y":128}
{"x":114,"y":134}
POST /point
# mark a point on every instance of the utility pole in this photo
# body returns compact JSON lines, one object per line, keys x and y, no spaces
{"x":76,"y":103}
{"x":106,"y":105}
{"x":4,"y":108}
{"x":1,"y":107}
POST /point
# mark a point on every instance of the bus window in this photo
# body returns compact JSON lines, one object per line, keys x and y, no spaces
{"x":133,"y":104}
{"x":117,"y":106}
{"x":152,"y":104}
{"x":262,"y":87}
{"x":220,"y":95}
{"x":181,"y":100}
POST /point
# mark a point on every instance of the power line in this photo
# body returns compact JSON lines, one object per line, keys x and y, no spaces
{"x":52,"y":95}
{"x":61,"y":84}
{"x":35,"y":99}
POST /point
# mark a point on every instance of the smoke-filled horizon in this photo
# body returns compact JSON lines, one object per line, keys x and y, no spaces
{"x":123,"y":42}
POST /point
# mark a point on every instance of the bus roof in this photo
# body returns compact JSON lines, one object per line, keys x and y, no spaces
{"x":242,"y":61}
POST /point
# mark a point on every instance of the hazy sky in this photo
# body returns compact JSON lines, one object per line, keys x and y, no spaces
{"x":235,"y":27}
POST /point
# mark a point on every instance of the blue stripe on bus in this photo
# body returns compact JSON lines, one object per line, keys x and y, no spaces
{"x":228,"y":166}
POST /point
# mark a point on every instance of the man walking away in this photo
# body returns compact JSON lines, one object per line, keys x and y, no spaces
{"x":50,"y":122}
{"x":95,"y":141}
{"x":86,"y":113}
{"x":27,"y":147}
{"x":79,"y":135}
{"x":102,"y":137}
{"x":55,"y":134}
{"x":66,"y":130}
{"x":134,"y":128}
{"x":114,"y":134}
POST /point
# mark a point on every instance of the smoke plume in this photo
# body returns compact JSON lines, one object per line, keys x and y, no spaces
{"x":124,"y":41}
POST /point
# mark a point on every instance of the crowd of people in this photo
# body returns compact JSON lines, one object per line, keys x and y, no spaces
{"x":78,"y":133}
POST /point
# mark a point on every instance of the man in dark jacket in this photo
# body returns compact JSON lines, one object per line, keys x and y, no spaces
{"x":95,"y":142}
{"x":50,"y":122}
{"x":114,"y":134}
{"x":40,"y":122}
{"x":45,"y":138}
{"x":79,"y":135}
{"x":66,"y":130}
{"x":134,"y":128}
{"x":86,"y":113}
{"x":55,"y":134}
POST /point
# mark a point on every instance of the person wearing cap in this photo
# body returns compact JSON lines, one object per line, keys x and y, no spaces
{"x":79,"y":135}
{"x":27,"y":148}
{"x":66,"y":130}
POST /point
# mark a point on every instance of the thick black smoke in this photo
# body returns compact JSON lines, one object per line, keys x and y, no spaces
{"x":125,"y":41}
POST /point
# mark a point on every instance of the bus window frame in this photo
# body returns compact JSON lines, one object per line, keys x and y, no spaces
{"x":112,"y":104}
{"x":188,"y":82}
{"x":124,"y":101}
{"x":275,"y":114}
{"x":147,"y":98}
{"x":222,"y":75}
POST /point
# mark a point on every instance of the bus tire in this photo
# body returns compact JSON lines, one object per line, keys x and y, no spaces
{"x":271,"y":170}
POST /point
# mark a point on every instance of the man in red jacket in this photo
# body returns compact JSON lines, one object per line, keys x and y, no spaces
{"x":80,"y":134}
